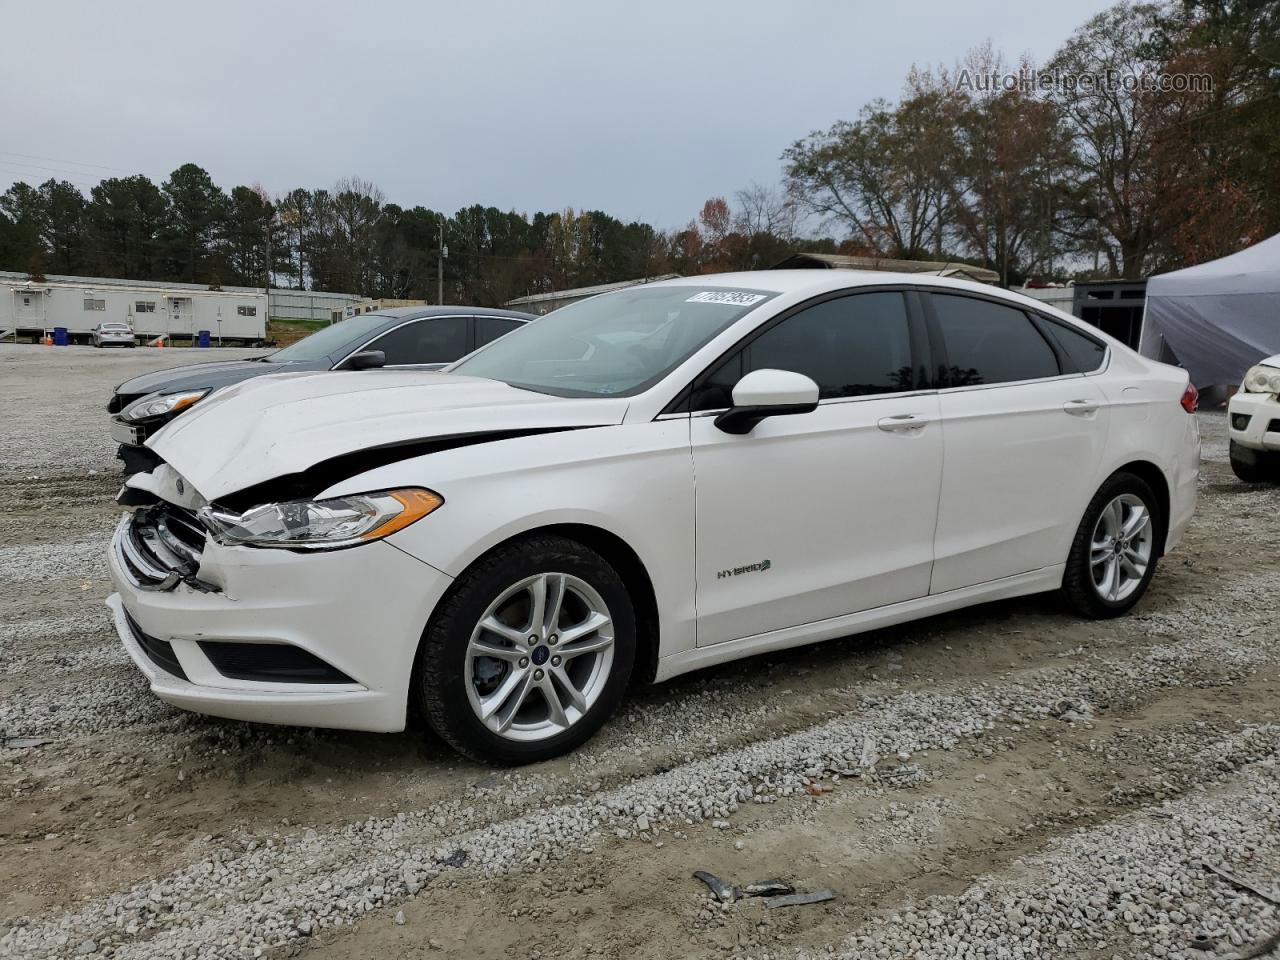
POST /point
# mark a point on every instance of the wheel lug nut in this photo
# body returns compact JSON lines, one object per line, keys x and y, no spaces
{"x":555,"y":661}
{"x":537,"y":674}
{"x":533,"y":641}
{"x":524,"y":661}
{"x":553,"y":639}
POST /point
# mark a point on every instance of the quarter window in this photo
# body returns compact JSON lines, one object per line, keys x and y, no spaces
{"x":852,"y":346}
{"x":440,"y":340}
{"x":1084,"y":352}
{"x":990,"y":343}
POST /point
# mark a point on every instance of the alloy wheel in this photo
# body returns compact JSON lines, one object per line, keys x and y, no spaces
{"x":1121,"y":548}
{"x":539,"y":657}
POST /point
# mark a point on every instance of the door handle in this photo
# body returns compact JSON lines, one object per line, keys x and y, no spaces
{"x":902,"y":422}
{"x":1081,"y":408}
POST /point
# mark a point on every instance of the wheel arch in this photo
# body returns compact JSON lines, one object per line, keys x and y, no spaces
{"x":1154,"y":477}
{"x":623,"y":557}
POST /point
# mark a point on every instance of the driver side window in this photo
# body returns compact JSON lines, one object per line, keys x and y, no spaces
{"x":852,"y":346}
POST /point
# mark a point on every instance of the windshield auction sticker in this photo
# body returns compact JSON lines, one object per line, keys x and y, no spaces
{"x":730,"y":297}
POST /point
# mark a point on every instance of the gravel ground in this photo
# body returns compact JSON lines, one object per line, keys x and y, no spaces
{"x":1005,"y":781}
{"x":54,"y":401}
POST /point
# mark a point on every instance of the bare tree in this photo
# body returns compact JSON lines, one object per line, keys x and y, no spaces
{"x":1118,"y":211}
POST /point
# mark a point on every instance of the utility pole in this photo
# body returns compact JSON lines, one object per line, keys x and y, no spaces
{"x":440,"y":255}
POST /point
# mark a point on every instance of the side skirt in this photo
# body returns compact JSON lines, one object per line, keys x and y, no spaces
{"x":1034,"y":581}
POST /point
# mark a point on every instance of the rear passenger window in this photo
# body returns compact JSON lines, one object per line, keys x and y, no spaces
{"x":990,"y":343}
{"x":1084,"y":352}
{"x":491,"y":328}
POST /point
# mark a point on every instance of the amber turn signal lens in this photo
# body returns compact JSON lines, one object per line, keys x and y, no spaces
{"x":417,"y":504}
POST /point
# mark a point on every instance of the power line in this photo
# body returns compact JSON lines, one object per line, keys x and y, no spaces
{"x":73,"y":163}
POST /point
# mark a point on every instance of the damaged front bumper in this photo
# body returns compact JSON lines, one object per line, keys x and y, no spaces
{"x":271,"y":636}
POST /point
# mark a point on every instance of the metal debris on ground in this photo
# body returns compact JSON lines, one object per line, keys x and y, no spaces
{"x":775,"y":893}
{"x":800,"y":899}
{"x":724,"y":892}
{"x":770,"y":888}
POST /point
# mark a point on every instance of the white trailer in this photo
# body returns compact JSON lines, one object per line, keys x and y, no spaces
{"x":181,"y":311}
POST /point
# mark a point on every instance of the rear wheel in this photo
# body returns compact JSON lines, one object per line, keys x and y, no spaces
{"x":1254,"y":466}
{"x":1114,"y":553}
{"x":529,"y":653}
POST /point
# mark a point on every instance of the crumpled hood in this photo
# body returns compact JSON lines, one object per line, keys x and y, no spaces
{"x":277,"y":425}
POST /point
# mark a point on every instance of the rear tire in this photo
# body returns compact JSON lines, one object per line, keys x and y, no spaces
{"x":1114,"y":554}
{"x":1254,"y":466}
{"x":454,"y":684}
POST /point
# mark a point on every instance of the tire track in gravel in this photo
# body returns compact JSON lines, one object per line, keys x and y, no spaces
{"x":1134,"y":887}
{"x":220,"y":905}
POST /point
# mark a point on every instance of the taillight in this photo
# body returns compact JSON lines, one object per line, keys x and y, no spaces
{"x":1191,"y":398}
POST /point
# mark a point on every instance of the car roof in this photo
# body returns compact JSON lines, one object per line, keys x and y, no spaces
{"x":806,"y":283}
{"x":415,"y":313}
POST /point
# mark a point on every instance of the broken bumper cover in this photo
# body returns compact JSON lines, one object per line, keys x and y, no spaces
{"x":360,"y":611}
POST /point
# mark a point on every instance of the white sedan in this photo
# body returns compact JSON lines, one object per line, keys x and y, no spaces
{"x":113,"y":334}
{"x":637,"y":485}
{"x":1254,"y":414}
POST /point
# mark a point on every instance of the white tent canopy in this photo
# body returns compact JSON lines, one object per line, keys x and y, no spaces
{"x":1216,"y":319}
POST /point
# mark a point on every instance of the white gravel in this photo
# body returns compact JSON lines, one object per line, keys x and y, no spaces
{"x":55,"y":403}
{"x":261,"y":893}
{"x":1136,"y":887}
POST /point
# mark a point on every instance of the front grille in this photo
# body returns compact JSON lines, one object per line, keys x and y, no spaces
{"x":160,"y":652}
{"x":270,"y":663}
{"x":1240,"y":421}
{"x":161,"y":544}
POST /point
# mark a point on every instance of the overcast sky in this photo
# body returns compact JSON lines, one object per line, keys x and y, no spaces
{"x":641,"y":109}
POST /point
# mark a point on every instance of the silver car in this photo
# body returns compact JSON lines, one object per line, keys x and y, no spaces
{"x":113,"y":334}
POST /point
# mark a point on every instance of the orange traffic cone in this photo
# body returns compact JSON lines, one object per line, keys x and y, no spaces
{"x":48,"y":341}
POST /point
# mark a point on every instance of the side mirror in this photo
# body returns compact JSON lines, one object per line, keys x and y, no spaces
{"x":767,"y":393}
{"x":366,"y":360}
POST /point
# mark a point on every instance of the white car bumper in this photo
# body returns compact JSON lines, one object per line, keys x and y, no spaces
{"x":1254,"y":420}
{"x":358,"y":612}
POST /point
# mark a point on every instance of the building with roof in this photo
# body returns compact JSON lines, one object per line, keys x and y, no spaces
{"x":840,"y":261}
{"x":35,"y":308}
{"x":540,"y":303}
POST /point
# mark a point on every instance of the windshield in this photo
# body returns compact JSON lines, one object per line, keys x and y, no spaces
{"x":339,"y":337}
{"x":616,"y":344}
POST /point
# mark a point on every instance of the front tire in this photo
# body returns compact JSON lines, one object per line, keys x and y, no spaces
{"x":1113,"y":556}
{"x":528,"y":654}
{"x":1254,"y":466}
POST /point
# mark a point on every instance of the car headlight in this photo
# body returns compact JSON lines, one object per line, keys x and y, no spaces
{"x":321,"y":524}
{"x":158,"y":405}
{"x":1262,"y":379}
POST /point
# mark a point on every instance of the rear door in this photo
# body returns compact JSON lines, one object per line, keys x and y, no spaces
{"x":489,"y":329}
{"x":1023,"y":436}
{"x":821,"y":514}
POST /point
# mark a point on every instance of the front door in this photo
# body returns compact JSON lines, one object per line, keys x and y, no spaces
{"x":29,"y":308}
{"x":822,"y":514}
